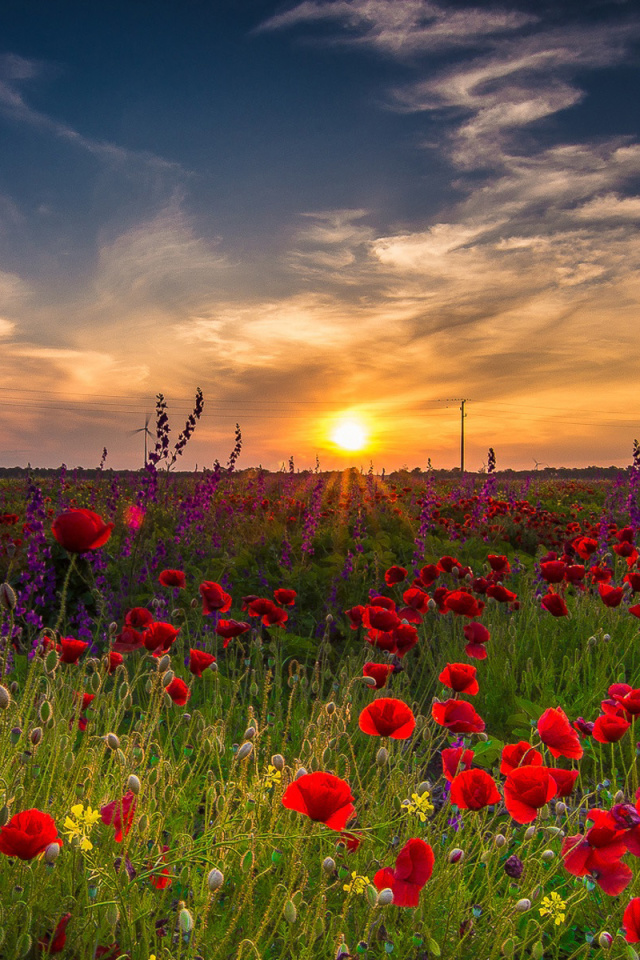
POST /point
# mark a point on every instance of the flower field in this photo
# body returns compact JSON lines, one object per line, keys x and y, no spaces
{"x":306,"y":714}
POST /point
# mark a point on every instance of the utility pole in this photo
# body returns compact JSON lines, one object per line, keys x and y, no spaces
{"x":462,"y":402}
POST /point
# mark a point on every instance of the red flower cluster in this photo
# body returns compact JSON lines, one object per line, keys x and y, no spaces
{"x":28,"y":834}
{"x":322,"y":797}
{"x":119,"y":815}
{"x":387,"y":717}
{"x":414,"y":866}
{"x":81,"y":530}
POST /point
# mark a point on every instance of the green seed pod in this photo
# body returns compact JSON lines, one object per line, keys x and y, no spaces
{"x":4,"y":815}
{"x":382,"y":756}
{"x":385,"y":897}
{"x":51,"y":661}
{"x":7,"y":596}
{"x":185,"y":921}
{"x":168,"y":678}
{"x":278,"y":761}
{"x":290,"y":912}
{"x":113,"y":742}
{"x":45,"y":711}
{"x":36,"y":736}
{"x":51,"y":853}
{"x":245,"y":751}
{"x":5,"y":698}
{"x":523,"y":905}
{"x":215,"y":879}
{"x":133,"y":784}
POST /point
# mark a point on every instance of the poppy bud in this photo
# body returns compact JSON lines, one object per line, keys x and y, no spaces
{"x":530,"y":833}
{"x":113,"y":741}
{"x":253,"y":689}
{"x":168,"y":678}
{"x":213,"y":668}
{"x":249,"y":733}
{"x":51,"y":853}
{"x":618,"y":798}
{"x":290,"y":912}
{"x":113,"y":914}
{"x":133,"y":784}
{"x":432,"y":605}
{"x":16,"y":732}
{"x":606,"y":637}
{"x":456,"y":855}
{"x":513,"y":867}
{"x":329,"y":865}
{"x":10,"y":550}
{"x":499,"y":840}
{"x":330,"y":707}
{"x":547,"y":855}
{"x":113,"y":628}
{"x":244,"y":751}
{"x":382,"y":756}
{"x":164,"y":663}
{"x":215,"y":879}
{"x":4,"y":815}
{"x":551,"y":832}
{"x":194,"y":604}
{"x":278,"y":761}
{"x":537,"y":950}
{"x":508,"y":948}
{"x":36,"y":736}
{"x":523,"y":905}
{"x":5,"y":698}
{"x":185,"y":920}
{"x":369,"y":681}
{"x":424,"y":787}
{"x":301,"y":772}
{"x":591,"y":642}
{"x":7,"y":596}
{"x":605,"y":940}
{"x":561,"y":807}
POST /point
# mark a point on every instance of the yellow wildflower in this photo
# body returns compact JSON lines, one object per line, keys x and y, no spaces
{"x":420,"y":805}
{"x":272,"y":776}
{"x":80,"y":824}
{"x":358,"y":884}
{"x":554,"y":906}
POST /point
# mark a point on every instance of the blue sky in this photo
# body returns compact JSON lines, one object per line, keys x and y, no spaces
{"x":315,"y":210}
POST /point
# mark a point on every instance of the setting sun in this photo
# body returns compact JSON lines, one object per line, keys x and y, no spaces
{"x":349,"y":434}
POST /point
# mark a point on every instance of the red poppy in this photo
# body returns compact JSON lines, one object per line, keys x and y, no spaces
{"x":405,"y":637}
{"x":119,"y":815}
{"x":633,"y":579}
{"x":414,"y":866}
{"x":322,"y":797}
{"x":115,"y":659}
{"x":461,"y":677}
{"x":526,"y":789}
{"x":214,"y":598}
{"x":609,"y":728}
{"x":499,"y":563}
{"x":199,"y":660}
{"x":628,"y":699}
{"x":173,"y":578}
{"x":631,"y":921}
{"x":382,"y":639}
{"x":601,"y":574}
{"x":463,"y":604}
{"x":54,"y":942}
{"x":553,"y":571}
{"x":585,"y":546}
{"x":379,"y":671}
{"x":417,"y":599}
{"x":476,"y":635}
{"x":138,"y":617}
{"x":86,"y":701}
{"x":574,"y":574}
{"x":395,"y":575}
{"x":28,"y":834}
{"x":228,"y":629}
{"x":285,"y":596}
{"x":558,"y":735}
{"x":159,"y":636}
{"x":355,"y":615}
{"x":520,"y":754}
{"x":501,"y":594}
{"x":453,"y":758}
{"x":473,"y":790}
{"x":459,"y":716}
{"x":565,"y":780}
{"x":380,"y":601}
{"x":128,"y":640}
{"x":428,"y":574}
{"x":555,"y":605}
{"x":610,"y":596}
{"x":380,"y":618}
{"x":275,"y":618}
{"x":81,"y":530}
{"x":446,"y":564}
{"x":387,"y":718}
{"x":598,"y":853}
{"x":178,"y":691}
{"x":163,"y":879}
{"x":410,"y":614}
{"x":71,"y":649}
{"x":635,"y":610}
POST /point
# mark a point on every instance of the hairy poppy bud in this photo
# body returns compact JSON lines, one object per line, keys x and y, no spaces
{"x":369,"y":681}
{"x":530,"y":833}
{"x":499,"y":840}
{"x":185,"y":920}
{"x":133,"y":784}
{"x":301,"y":772}
{"x":561,"y":807}
{"x":113,"y":628}
{"x":329,"y":865}
{"x":36,"y":736}
{"x":385,"y":897}
{"x":113,"y":741}
{"x":249,"y":733}
{"x":5,"y":698}
{"x":7,"y":596}
{"x":605,"y":940}
{"x":168,"y":678}
{"x":330,"y":707}
{"x":244,"y":751}
{"x":424,"y":787}
{"x":278,"y":761}
{"x":215,"y":879}
{"x":290,"y":912}
{"x":164,"y":663}
{"x":547,"y":855}
{"x":382,"y":756}
{"x":513,"y":867}
{"x":51,"y":853}
{"x":4,"y":815}
{"x":15,"y":735}
{"x":456,"y":855}
{"x":14,"y":687}
{"x":508,"y":948}
{"x":523,"y":905}
{"x":618,"y":798}
{"x":113,"y":914}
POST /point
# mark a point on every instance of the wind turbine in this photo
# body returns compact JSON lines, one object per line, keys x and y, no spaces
{"x":539,"y":463}
{"x":147,"y":433}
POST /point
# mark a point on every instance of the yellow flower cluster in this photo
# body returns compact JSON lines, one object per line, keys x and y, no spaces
{"x":358,"y":884}
{"x":553,"y":906}
{"x":272,"y":776}
{"x":80,"y":823}
{"x":420,"y":805}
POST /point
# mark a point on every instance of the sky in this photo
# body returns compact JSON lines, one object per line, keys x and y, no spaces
{"x":317,"y":212}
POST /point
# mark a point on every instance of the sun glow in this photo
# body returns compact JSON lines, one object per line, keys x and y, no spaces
{"x":349,"y":434}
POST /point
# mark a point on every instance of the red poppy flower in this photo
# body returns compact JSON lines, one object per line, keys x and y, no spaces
{"x":417,"y":599}
{"x":54,"y":942}
{"x":199,"y":660}
{"x":628,"y":699}
{"x":520,"y":754}
{"x":631,"y":921}
{"x":558,"y":735}
{"x":395,"y":575}
{"x":633,"y":579}
{"x":555,"y":605}
{"x":609,"y":728}
{"x":601,"y":574}
{"x":414,"y":866}
{"x":163,"y":879}
{"x":499,"y":563}
{"x":119,"y":815}
{"x":428,"y":574}
{"x":138,"y":617}
{"x":380,"y":618}
{"x":173,"y":578}
{"x":585,"y":546}
{"x":463,"y":604}
{"x":81,"y":530}
{"x":379,"y":671}
{"x":598,"y":853}
{"x":355,"y":615}
{"x":610,"y":596}
{"x":574,"y":574}
{"x":229,"y":629}
{"x":453,"y":758}
{"x":115,"y":659}
{"x":461,"y":677}
{"x":379,"y":601}
{"x":410,"y":614}
{"x":275,"y":618}
{"x":387,"y":718}
{"x":322,"y":797}
{"x":178,"y":691}
{"x":214,"y":598}
{"x":565,"y":780}
{"x":260,"y":606}
{"x":480,"y":585}
{"x":446,"y":564}
{"x":501,"y":594}
{"x":382,"y":639}
{"x":285,"y":596}
{"x":405,"y":638}
{"x":459,"y":716}
{"x":28,"y":834}
{"x":476,"y":635}
{"x":127,"y":641}
{"x":553,"y":571}
{"x":159,"y":636}
{"x":473,"y":790}
{"x":71,"y":649}
{"x":526,"y":789}
{"x":635,"y":610}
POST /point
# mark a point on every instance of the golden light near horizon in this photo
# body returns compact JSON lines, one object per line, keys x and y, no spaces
{"x":349,"y":434}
